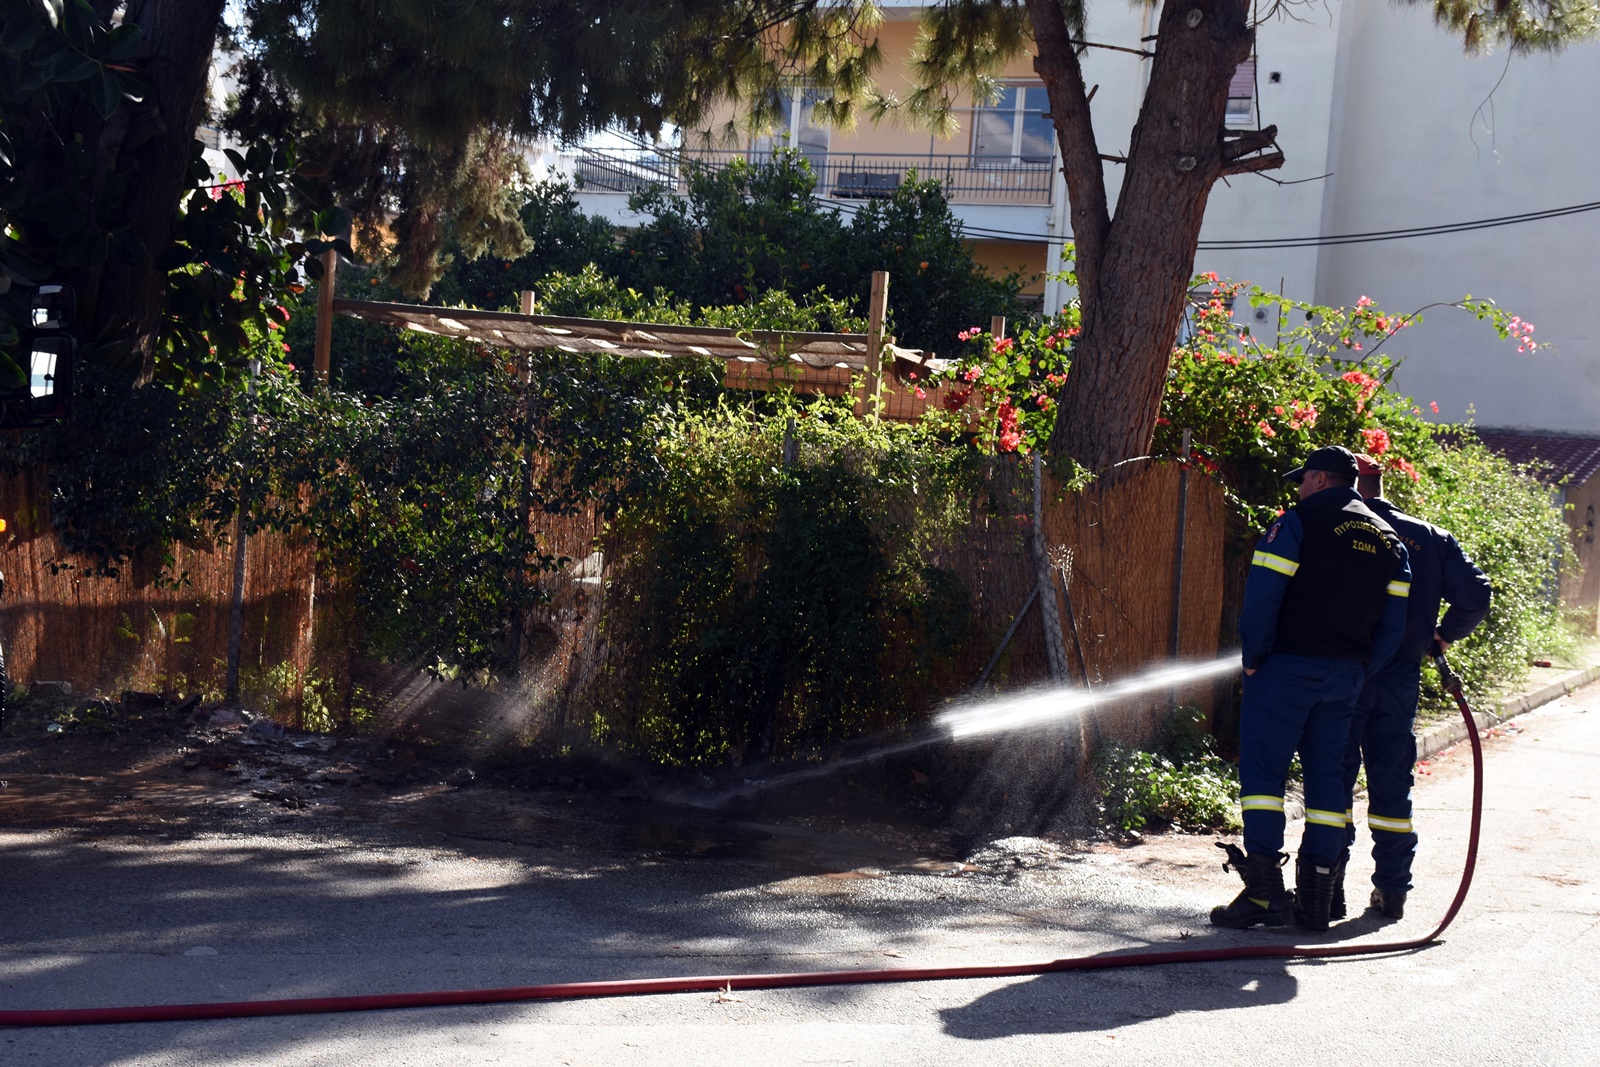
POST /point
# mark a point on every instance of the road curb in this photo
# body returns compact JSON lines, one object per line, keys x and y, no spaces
{"x":1444,"y":735}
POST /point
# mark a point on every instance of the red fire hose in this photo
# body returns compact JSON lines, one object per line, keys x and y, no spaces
{"x":713,"y":983}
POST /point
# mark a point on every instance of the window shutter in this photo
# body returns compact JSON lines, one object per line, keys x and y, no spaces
{"x":1243,"y":84}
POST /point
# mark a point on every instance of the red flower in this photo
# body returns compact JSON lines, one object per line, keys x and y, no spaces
{"x":1377,"y":441}
{"x":957,"y":400}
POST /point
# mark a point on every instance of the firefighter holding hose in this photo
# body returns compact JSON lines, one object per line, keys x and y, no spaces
{"x":1385,"y":716}
{"x":1324,"y":603}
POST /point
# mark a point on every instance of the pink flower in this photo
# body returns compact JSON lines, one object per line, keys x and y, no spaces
{"x":1377,"y":441}
{"x":1365,"y":383}
{"x":920,"y":394}
{"x":1266,"y":431}
{"x":1434,"y":404}
{"x":1397,"y":464}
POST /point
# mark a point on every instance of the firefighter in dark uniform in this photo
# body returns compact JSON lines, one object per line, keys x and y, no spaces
{"x":1323,"y":604}
{"x":1381,"y":729}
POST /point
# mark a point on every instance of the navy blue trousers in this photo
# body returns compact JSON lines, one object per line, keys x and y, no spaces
{"x":1382,"y":737}
{"x":1305,"y":703}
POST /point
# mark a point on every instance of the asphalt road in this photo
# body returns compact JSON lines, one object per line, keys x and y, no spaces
{"x":296,"y":911}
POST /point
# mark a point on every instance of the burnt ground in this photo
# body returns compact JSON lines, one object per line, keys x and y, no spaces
{"x":143,"y":765}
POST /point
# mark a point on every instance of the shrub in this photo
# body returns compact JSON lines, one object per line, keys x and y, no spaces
{"x":759,"y":609}
{"x":1185,"y":786}
{"x":1256,"y":407}
{"x":1511,"y":526}
{"x":747,"y":229}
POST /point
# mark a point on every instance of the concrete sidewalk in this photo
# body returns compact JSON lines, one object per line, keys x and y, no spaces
{"x":1544,"y":690}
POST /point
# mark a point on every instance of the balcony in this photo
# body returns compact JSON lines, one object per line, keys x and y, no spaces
{"x":841,"y":176}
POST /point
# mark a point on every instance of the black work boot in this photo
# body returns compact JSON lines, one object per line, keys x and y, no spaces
{"x":1264,"y":902}
{"x":1314,"y":881}
{"x":1336,"y":908}
{"x":1390,"y":903}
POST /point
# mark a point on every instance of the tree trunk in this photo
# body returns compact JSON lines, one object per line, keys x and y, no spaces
{"x":150,"y":152}
{"x":1134,"y":267}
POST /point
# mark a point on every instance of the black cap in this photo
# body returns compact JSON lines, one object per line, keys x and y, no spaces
{"x":1335,"y":459}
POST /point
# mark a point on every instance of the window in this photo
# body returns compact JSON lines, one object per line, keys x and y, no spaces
{"x":799,"y":130}
{"x":1242,"y":95}
{"x":1014,"y":129}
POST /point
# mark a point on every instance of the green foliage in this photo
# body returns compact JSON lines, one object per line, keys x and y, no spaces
{"x":1003,"y":389}
{"x":1522,"y":25}
{"x":64,"y":216}
{"x":748,"y":228}
{"x":1185,"y":785}
{"x":562,"y":240}
{"x":740,"y":234}
{"x":1509,"y":524}
{"x":485,"y":76}
{"x":770,"y":609}
{"x":1257,"y":403}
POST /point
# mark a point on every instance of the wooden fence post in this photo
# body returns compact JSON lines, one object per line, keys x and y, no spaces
{"x":324,"y":346}
{"x":875,"y":316}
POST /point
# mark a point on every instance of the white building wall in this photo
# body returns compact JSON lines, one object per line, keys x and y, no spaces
{"x":1303,"y":55}
{"x":1416,"y":144}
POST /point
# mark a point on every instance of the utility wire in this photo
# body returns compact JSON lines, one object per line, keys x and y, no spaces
{"x":1264,"y":243}
{"x":1247,"y":244}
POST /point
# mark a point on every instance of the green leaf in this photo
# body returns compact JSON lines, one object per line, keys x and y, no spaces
{"x":122,"y":43}
{"x":106,"y":93}
{"x":69,"y":66}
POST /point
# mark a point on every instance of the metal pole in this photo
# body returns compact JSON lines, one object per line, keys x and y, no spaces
{"x":236,"y":615}
{"x":1177,"y":558}
{"x":1006,"y":640}
{"x":1055,"y":650}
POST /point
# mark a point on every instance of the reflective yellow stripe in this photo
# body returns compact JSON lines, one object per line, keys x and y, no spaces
{"x":1399,"y":588}
{"x":1349,"y":816}
{"x":1275,"y":563}
{"x":1261,"y":802}
{"x":1325,"y":818}
{"x":1394,"y":826}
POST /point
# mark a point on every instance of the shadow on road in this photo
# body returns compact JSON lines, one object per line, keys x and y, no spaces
{"x":1097,"y":1001}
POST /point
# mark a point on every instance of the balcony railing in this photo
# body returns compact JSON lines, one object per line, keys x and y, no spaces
{"x":845,"y":176}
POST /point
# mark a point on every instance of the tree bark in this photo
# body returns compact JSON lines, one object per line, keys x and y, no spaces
{"x":150,"y":152}
{"x":1134,"y":267}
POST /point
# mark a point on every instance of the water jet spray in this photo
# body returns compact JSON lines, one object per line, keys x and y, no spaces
{"x":1036,"y":708}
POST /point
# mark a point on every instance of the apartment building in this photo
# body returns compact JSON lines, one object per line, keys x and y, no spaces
{"x":1386,"y":125}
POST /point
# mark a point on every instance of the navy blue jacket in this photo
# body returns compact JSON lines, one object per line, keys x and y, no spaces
{"x":1440,"y":570}
{"x":1273,"y":569}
